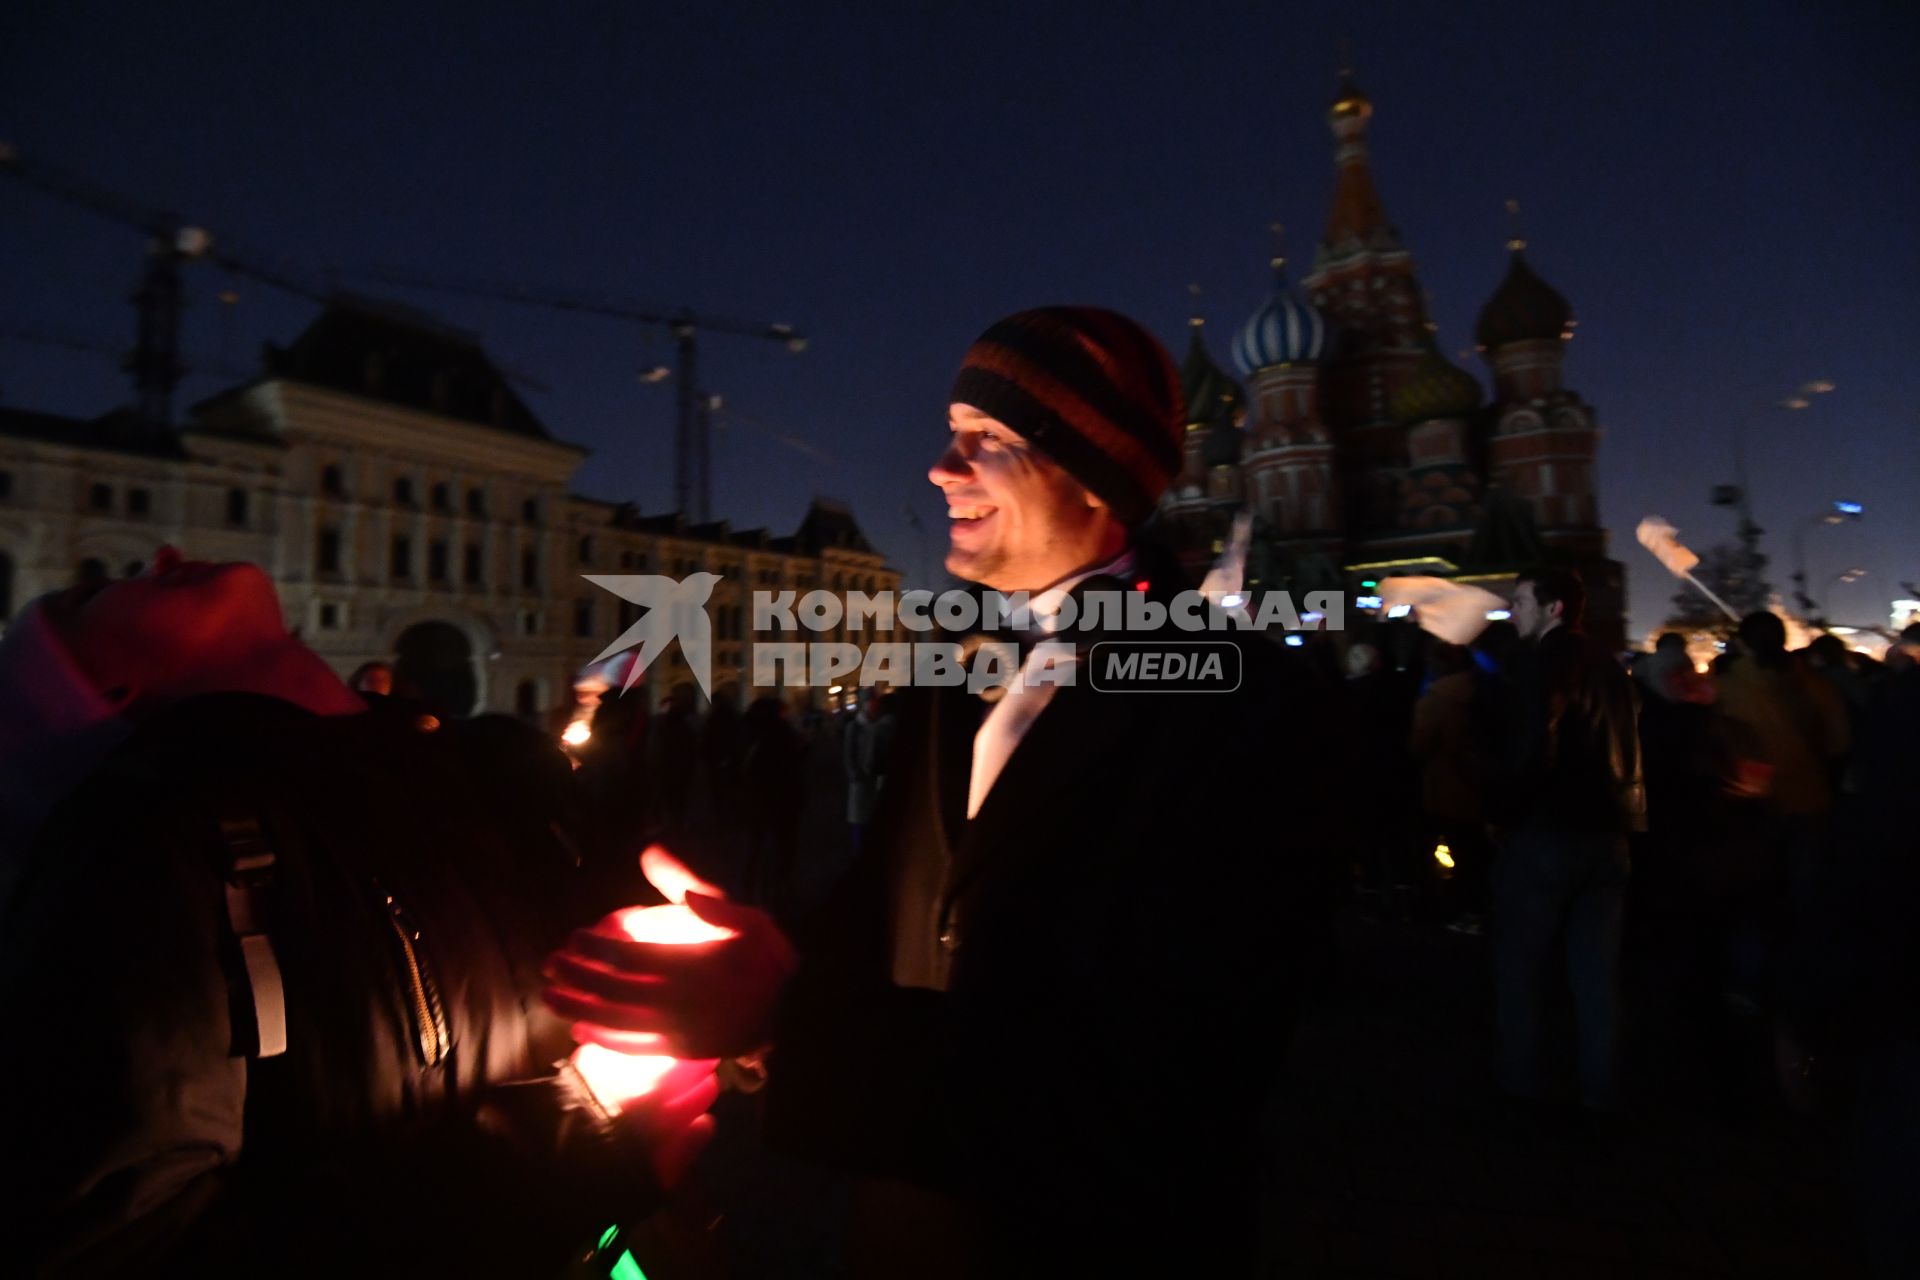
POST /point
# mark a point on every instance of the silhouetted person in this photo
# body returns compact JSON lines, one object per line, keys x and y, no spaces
{"x":720,"y":750}
{"x":672,"y":744}
{"x":614,"y":771}
{"x":773,"y":779}
{"x":1788,"y":729}
{"x":1380,"y":700}
{"x":865,"y":745}
{"x":275,"y":955}
{"x":1452,"y":778}
{"x":1568,"y":792}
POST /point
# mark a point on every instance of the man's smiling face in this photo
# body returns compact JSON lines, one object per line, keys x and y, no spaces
{"x":1017,"y":520}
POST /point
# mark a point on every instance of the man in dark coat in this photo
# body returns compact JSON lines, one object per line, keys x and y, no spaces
{"x":270,"y":971}
{"x":1568,"y":792}
{"x":1040,"y":1015}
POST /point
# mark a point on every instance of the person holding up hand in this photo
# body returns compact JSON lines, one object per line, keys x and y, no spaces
{"x":1039,"y":1017}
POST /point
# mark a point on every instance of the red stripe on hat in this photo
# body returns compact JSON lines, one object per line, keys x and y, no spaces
{"x":1076,"y":413}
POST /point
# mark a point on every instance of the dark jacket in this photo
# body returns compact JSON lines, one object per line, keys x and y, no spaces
{"x":415,"y":1118}
{"x":1063,"y":1014}
{"x":1569,"y":748}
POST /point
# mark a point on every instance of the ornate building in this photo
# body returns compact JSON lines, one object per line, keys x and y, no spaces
{"x":1362,"y":451}
{"x":405,"y":500}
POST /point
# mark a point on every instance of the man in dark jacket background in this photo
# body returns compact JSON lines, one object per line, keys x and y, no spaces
{"x":1567,"y":793}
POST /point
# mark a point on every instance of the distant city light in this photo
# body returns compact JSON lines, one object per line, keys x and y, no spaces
{"x":1848,"y":508}
{"x":1294,"y":642}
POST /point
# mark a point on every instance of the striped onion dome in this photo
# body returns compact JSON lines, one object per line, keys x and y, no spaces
{"x":1213,"y":399}
{"x":1438,"y":388}
{"x":1524,"y":308}
{"x":1283,"y":331}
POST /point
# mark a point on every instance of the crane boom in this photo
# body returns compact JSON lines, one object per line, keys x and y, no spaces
{"x":589,"y":304}
{"x":692,"y":447}
{"x":161,"y":296}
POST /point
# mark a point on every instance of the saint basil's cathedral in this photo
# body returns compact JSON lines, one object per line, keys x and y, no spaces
{"x":1362,"y":452}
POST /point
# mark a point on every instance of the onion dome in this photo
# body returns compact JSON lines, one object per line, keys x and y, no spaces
{"x":1438,"y":388}
{"x":1284,"y":330}
{"x":1524,"y":308}
{"x":1213,"y":399}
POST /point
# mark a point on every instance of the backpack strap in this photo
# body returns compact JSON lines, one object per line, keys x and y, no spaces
{"x":259,"y":997}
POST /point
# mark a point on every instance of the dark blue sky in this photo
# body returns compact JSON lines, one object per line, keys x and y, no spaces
{"x":1726,"y":193}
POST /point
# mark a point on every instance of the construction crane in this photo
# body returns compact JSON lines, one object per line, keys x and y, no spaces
{"x":87,"y":344}
{"x":693,"y":433}
{"x":172,"y":243}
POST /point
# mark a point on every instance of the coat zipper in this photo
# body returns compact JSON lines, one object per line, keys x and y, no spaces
{"x":429,"y":1017}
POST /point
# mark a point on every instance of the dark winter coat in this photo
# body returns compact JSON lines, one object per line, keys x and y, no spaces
{"x":1569,"y":741}
{"x":1062,"y":1015}
{"x":415,"y":1119}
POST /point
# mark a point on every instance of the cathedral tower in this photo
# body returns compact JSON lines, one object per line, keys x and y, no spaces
{"x":1363,"y":281}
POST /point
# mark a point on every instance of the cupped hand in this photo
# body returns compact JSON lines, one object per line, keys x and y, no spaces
{"x":712,"y":998}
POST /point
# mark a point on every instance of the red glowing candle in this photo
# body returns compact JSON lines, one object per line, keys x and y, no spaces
{"x":620,"y":1078}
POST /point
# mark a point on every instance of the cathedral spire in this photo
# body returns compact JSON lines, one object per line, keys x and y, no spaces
{"x":1358,"y":219}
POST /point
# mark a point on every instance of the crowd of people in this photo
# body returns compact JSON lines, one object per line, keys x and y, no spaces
{"x":298,"y":966}
{"x":1720,"y":860}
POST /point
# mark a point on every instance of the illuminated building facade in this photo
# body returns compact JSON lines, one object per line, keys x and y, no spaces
{"x":403,"y":498}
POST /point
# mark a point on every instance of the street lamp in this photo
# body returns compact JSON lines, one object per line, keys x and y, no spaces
{"x":1737,"y":494}
{"x":1845,"y":578}
{"x":1838,"y":512}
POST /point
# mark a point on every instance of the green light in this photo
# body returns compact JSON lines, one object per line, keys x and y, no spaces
{"x":607,"y":1236}
{"x":1369,"y":582}
{"x":627,"y":1268}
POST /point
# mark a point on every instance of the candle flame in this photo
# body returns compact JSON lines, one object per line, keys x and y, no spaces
{"x":671,"y":877}
{"x":670,"y":924}
{"x":618,"y":1080}
{"x":1443,"y":855}
{"x":577,"y":733}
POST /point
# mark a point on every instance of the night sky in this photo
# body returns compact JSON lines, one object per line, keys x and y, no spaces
{"x":1726,"y":194}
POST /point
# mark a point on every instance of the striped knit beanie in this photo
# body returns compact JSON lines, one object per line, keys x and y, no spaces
{"x":1089,"y":388}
